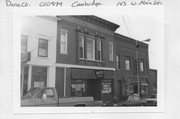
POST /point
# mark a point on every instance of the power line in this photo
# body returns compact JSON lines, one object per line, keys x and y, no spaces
{"x":126,"y":25}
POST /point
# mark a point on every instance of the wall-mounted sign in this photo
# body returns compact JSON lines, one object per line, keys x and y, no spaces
{"x":25,"y":57}
{"x":99,"y":74}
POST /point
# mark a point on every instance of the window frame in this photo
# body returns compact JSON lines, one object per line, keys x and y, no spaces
{"x":100,"y":49}
{"x":127,"y":59}
{"x":141,"y":61}
{"x":83,"y":46}
{"x":46,"y":40}
{"x":111,"y":54}
{"x":118,"y":66}
{"x":63,"y":31}
{"x":26,"y":45}
{"x":88,"y":38}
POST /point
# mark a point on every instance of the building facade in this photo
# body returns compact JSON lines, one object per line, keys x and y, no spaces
{"x":132,"y":66}
{"x":38,"y":38}
{"x":82,"y":56}
{"x":85,"y":57}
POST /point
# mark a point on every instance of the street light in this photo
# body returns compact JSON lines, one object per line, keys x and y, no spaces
{"x":137,"y":62}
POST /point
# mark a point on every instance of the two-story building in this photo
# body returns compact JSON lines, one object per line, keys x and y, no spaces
{"x":38,"y":47}
{"x":85,"y":59}
{"x":132,"y":66}
{"x":82,"y":56}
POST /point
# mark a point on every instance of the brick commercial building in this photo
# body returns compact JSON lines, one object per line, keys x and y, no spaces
{"x":132,"y":70}
{"x":83,"y":56}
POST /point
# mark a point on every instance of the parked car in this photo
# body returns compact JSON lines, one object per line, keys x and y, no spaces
{"x":133,"y":100}
{"x":151,"y":101}
{"x":47,"y":96}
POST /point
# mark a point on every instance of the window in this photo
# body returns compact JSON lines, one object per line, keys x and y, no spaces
{"x":43,"y":48}
{"x":127,"y":63}
{"x":81,"y":47}
{"x":78,"y":88}
{"x":141,"y":65}
{"x":63,"y":42}
{"x":90,"y":48}
{"x":99,"y":50}
{"x":24,"y":40}
{"x":110,"y":51}
{"x":118,"y":61}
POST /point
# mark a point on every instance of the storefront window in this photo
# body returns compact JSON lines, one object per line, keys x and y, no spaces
{"x":78,"y":88}
{"x":39,"y":76}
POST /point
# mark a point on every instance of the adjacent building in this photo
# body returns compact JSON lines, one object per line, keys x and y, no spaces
{"x":82,"y":56}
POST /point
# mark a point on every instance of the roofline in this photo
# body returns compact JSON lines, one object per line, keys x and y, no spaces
{"x":111,"y":24}
{"x":130,"y":39}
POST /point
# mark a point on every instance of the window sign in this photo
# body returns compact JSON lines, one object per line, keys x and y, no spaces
{"x":99,"y":74}
{"x":106,"y":87}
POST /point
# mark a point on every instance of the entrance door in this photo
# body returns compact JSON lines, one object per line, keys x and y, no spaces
{"x":94,"y":88}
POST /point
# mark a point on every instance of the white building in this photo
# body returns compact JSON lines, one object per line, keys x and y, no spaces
{"x":38,"y":38}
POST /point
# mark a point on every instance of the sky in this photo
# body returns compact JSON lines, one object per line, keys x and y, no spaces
{"x":139,"y":27}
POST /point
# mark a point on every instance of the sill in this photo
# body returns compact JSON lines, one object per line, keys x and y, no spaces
{"x":90,"y":60}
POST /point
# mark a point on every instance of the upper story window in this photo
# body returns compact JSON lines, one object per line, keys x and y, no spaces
{"x":127,"y":63}
{"x":24,"y":40}
{"x":141,"y":63}
{"x":43,"y":48}
{"x":81,"y":47}
{"x":99,"y":53}
{"x":118,"y":61}
{"x":63,"y":42}
{"x":111,"y":51}
{"x":90,"y":49}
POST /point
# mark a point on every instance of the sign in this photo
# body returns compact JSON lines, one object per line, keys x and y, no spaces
{"x":99,"y":74}
{"x":25,"y":57}
{"x":106,"y":87}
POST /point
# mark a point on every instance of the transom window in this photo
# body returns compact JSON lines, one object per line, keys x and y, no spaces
{"x":43,"y":48}
{"x":63,"y":42}
{"x":90,"y":48}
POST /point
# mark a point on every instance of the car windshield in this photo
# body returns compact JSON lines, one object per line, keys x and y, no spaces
{"x":153,"y":96}
{"x":32,"y":92}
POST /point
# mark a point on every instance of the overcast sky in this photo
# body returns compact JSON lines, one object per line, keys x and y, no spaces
{"x":139,"y":27}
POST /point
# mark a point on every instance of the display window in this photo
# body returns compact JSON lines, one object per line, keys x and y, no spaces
{"x":106,"y":87}
{"x":39,"y":76}
{"x":78,"y":88}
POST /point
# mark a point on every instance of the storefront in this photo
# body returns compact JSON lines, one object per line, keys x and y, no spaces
{"x":131,"y":85}
{"x":32,"y":76}
{"x":96,"y":83}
